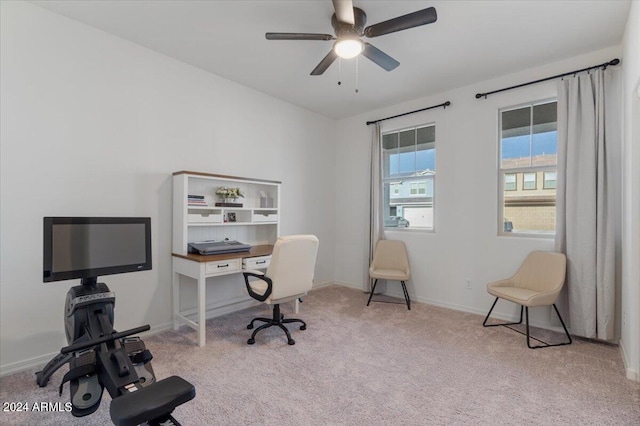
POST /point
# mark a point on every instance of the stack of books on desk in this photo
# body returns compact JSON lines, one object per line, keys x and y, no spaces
{"x":196,"y":200}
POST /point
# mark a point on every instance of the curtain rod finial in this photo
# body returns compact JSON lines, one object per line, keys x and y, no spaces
{"x":478,"y":95}
{"x":615,"y":61}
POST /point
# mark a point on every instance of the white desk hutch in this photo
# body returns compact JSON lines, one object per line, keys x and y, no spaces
{"x":199,"y":215}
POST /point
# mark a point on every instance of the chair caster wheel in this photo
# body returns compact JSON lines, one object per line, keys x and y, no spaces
{"x":303,"y":327}
{"x":291,"y":342}
{"x":250,"y":326}
{"x":251,"y":341}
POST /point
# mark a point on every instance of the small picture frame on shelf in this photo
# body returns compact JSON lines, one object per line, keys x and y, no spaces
{"x":231,"y":217}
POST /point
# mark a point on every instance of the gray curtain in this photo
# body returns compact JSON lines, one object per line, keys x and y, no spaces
{"x":376,"y":224}
{"x":585,"y":211}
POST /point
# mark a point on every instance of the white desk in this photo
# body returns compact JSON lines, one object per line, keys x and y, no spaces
{"x":202,"y":267}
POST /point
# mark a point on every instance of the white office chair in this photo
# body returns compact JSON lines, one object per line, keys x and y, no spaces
{"x":288,"y":277}
{"x":390,"y":262}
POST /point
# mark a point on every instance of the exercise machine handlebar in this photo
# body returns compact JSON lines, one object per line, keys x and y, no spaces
{"x":84,"y":345}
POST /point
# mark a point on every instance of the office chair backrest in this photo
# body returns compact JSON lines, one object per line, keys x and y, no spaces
{"x":292,"y":265}
{"x":390,"y":254}
{"x":542,"y":271}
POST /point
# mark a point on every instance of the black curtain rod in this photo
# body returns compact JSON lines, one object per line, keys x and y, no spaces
{"x":603,"y":66}
{"x":444,"y":105}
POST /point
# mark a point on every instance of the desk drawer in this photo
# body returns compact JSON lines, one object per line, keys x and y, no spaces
{"x":204,"y":217}
{"x":222,"y":267}
{"x":260,"y":262}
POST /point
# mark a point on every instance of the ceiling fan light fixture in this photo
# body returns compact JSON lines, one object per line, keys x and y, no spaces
{"x":348,"y":48}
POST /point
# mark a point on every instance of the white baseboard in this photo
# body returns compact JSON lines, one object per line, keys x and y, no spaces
{"x":26,"y":364}
{"x":632,"y":374}
{"x":217,"y":309}
{"x":321,"y":285}
{"x":42,"y":360}
{"x":350,"y":285}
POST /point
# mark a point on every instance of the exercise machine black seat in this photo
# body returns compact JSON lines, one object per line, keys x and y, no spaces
{"x":151,"y":402}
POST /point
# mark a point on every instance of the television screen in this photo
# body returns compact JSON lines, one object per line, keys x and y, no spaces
{"x":88,"y":247}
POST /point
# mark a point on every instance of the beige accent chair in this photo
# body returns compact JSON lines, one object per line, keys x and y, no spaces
{"x":288,"y":277}
{"x":390,"y":262}
{"x":537,"y":283}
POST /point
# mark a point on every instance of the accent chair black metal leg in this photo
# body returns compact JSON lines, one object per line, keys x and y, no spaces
{"x":534,"y":338}
{"x":528,"y":334}
{"x":484,"y":323}
{"x":406,"y":295}
{"x":562,"y":322}
{"x":372,"y":291}
{"x":546,"y":345}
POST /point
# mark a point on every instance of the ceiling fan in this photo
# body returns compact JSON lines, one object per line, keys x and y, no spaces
{"x":348,"y":23}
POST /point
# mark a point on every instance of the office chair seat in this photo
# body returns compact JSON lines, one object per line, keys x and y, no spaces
{"x":261,"y":287}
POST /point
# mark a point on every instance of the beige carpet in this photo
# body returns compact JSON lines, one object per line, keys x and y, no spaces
{"x":378,"y":365}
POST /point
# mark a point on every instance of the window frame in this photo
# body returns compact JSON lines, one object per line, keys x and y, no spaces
{"x":410,"y":179}
{"x":515,"y":176}
{"x":544,"y":179}
{"x":535,"y":180}
{"x":502,"y":172}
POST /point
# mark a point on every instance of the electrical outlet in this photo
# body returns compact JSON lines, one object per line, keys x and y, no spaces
{"x":468,"y":284}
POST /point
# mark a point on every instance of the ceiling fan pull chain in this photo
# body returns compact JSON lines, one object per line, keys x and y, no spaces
{"x":357,"y":73}
{"x":339,"y":71}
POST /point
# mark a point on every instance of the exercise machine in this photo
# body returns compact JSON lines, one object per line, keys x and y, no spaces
{"x":100,"y":357}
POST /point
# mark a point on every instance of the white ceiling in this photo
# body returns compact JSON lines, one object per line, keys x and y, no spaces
{"x":471,"y":41}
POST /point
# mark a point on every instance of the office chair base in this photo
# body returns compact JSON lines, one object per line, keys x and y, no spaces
{"x":278,"y":320}
{"x":529,"y":337}
{"x":404,"y":290}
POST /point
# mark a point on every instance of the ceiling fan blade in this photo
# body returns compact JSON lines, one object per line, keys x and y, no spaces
{"x":415,"y":19}
{"x":344,"y":11}
{"x":379,"y":57}
{"x":298,"y":36}
{"x":325,"y":63}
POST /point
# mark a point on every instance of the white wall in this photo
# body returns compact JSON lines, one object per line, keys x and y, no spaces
{"x":465,"y":244}
{"x":95,"y":125}
{"x":630,"y":333}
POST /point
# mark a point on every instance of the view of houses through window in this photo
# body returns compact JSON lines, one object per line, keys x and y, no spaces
{"x":528,"y":148}
{"x":409,"y":173}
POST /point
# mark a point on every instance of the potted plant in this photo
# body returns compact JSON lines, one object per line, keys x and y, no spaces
{"x":229,"y":196}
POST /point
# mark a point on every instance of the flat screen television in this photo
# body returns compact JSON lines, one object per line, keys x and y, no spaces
{"x":88,"y":247}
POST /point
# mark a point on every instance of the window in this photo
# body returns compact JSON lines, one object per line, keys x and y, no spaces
{"x":549,"y":180}
{"x":418,"y":188}
{"x":528,"y":151}
{"x":529,"y":181}
{"x":510,"y":182}
{"x":408,"y":177}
